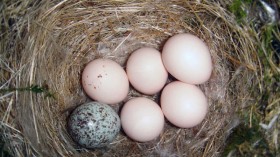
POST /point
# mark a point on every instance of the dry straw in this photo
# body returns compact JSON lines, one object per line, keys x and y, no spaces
{"x":48,"y":44}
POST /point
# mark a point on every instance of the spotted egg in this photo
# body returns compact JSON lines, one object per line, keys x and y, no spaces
{"x":93,"y":125}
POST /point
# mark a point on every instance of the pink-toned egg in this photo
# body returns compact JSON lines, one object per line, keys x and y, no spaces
{"x":142,"y":119}
{"x":187,"y":58}
{"x":184,"y":105}
{"x":145,"y":70}
{"x":105,"y":81}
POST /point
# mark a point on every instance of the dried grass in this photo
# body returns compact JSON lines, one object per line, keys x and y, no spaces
{"x":49,"y":43}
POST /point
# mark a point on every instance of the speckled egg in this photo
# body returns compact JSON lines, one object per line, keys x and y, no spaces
{"x":93,"y":125}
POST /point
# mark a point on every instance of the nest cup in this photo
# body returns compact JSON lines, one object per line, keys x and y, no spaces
{"x":60,"y":38}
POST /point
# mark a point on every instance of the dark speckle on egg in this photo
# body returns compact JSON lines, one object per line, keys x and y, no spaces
{"x":93,"y":125}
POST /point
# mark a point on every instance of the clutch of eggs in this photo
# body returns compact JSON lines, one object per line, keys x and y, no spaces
{"x":184,"y":56}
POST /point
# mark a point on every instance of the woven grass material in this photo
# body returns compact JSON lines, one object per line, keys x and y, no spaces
{"x":55,"y":40}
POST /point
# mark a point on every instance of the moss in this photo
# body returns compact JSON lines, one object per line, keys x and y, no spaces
{"x":247,"y":141}
{"x":267,"y":53}
{"x":269,"y":50}
{"x":3,"y":151}
{"x":237,"y":8}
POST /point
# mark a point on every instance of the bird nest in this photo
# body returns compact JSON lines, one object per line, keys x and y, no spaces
{"x":49,"y":43}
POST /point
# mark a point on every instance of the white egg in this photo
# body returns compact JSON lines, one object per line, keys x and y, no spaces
{"x":142,"y":119}
{"x":145,"y":70}
{"x":105,"y":81}
{"x":184,"y":105}
{"x":187,"y":58}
